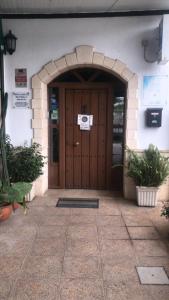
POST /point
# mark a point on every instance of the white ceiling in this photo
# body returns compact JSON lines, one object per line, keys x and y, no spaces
{"x":74,"y":6}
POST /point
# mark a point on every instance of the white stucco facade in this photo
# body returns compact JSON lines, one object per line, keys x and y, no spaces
{"x":40,"y":41}
{"x":119,"y":39}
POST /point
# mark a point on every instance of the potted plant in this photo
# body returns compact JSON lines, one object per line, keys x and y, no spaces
{"x":11,"y":194}
{"x":149,"y":171}
{"x":5,"y":206}
{"x":25,"y":163}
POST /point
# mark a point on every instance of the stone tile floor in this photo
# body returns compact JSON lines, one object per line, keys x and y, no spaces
{"x":82,"y":254}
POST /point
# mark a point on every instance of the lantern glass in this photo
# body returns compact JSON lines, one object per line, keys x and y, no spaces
{"x":10,"y":42}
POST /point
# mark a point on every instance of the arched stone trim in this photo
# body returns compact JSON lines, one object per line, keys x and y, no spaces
{"x":82,"y":56}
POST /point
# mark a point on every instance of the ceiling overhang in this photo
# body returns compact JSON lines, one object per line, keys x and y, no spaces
{"x":81,"y":8}
{"x":83,"y":15}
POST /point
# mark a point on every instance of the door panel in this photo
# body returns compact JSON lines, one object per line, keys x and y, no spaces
{"x":86,"y":151}
{"x":76,"y":142}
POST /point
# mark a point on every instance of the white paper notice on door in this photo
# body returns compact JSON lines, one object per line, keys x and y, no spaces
{"x":85,"y":121}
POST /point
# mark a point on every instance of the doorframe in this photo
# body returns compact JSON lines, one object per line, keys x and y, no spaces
{"x":83,"y":56}
{"x":62,"y":133}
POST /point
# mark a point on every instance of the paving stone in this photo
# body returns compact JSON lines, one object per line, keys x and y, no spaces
{"x":18,"y":220}
{"x":49,"y":247}
{"x":157,"y":292}
{"x":10,"y":246}
{"x":110,"y":232}
{"x":55,"y":220}
{"x":79,"y":219}
{"x":137,"y":220}
{"x":50,"y":211}
{"x":163,"y":230}
{"x":84,"y":211}
{"x":81,"y":289}
{"x":82,"y":232}
{"x":150,"y":248}
{"x":125,"y":291}
{"x":45,"y":201}
{"x":10,"y":266}
{"x":134,"y":210}
{"x":5,"y":287}
{"x":109,"y":211}
{"x":119,"y":269}
{"x":81,"y":267}
{"x":52,"y":232}
{"x":40,"y":267}
{"x":116,"y":248}
{"x":108,"y":202}
{"x":144,"y":233}
{"x":27,"y":233}
{"x":109,"y":220}
{"x":62,"y":252}
{"x":152,"y":275}
{"x":82,"y":248}
{"x":36,"y":289}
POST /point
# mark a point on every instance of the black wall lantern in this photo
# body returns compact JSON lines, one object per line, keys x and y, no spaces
{"x":10,"y":42}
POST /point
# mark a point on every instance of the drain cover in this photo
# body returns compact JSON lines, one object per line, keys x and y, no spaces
{"x":78,"y":202}
{"x":152,"y":275}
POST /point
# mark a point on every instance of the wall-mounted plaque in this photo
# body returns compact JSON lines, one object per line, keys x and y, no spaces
{"x":20,"y":78}
{"x":21,"y":100}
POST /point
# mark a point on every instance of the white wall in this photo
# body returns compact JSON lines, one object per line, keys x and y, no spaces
{"x":40,"y":41}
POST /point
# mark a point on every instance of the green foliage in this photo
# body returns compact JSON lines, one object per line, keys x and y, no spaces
{"x":15,"y":193}
{"x":165,"y":211}
{"x":24,"y":163}
{"x":150,"y":169}
{"x":4,"y":176}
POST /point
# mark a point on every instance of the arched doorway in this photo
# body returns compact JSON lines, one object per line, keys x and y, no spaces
{"x":83,"y":56}
{"x":86,"y":155}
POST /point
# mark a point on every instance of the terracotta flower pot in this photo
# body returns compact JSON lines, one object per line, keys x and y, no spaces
{"x":5,"y":212}
{"x":15,"y":206}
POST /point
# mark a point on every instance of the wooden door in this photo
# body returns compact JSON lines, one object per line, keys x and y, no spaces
{"x":88,"y":152}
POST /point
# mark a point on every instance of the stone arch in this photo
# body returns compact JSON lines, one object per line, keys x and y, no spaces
{"x":82,"y":56}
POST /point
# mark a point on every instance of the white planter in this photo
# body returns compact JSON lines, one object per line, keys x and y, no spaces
{"x":147,"y":196}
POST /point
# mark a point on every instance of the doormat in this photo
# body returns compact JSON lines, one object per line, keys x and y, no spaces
{"x":78,"y":202}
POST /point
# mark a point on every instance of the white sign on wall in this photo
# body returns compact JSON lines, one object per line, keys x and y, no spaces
{"x":155,"y":90}
{"x":21,"y":100}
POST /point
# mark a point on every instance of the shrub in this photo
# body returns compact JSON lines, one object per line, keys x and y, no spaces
{"x":165,"y":211}
{"x":25,"y":164}
{"x":150,"y":169}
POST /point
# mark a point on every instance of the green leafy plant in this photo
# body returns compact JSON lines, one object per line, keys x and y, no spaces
{"x":4,"y":176}
{"x":150,"y":169}
{"x":25,"y":164}
{"x":9,"y":193}
{"x":165,"y":211}
{"x":16,"y":192}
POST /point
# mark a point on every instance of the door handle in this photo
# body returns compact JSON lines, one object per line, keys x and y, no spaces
{"x":76,"y":144}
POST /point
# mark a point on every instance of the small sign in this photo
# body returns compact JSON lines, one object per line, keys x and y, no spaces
{"x":20,"y":77}
{"x":85,"y":121}
{"x":21,"y":100}
{"x":155,"y":90}
{"x":54,"y":114}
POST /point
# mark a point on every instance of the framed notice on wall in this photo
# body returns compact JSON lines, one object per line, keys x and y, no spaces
{"x":21,"y":100}
{"x":20,"y":78}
